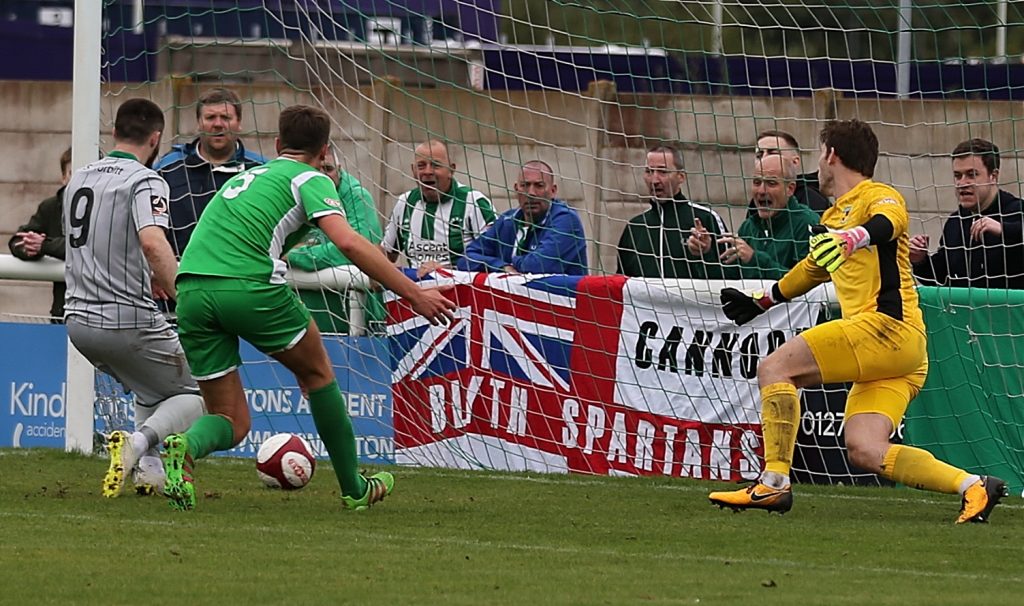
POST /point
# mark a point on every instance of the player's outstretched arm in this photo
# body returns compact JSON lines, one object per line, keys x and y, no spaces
{"x":157,"y":251}
{"x":742,"y":307}
{"x":428,"y":302}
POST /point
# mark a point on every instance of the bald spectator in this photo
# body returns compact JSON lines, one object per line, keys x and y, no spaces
{"x":781,"y":143}
{"x":775,"y":235}
{"x":543,"y":236}
{"x":434,"y":223}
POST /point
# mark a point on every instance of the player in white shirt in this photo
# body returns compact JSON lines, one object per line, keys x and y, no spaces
{"x":115,"y":214}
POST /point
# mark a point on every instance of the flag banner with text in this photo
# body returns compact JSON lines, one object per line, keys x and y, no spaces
{"x":602,"y":375}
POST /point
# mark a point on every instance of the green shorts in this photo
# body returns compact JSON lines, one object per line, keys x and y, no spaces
{"x":214,"y":312}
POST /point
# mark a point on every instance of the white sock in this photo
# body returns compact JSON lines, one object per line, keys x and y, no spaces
{"x":173,"y":415}
{"x":775,"y":480}
{"x":968,"y":482}
{"x":150,"y":470}
{"x":140,"y":444}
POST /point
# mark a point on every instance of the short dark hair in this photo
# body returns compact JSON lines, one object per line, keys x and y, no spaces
{"x":986,"y":150}
{"x":855,"y":144}
{"x":136,"y":120}
{"x":65,"y":160}
{"x":219,"y":95}
{"x":672,"y":150}
{"x":302,"y":128}
{"x":781,"y":134}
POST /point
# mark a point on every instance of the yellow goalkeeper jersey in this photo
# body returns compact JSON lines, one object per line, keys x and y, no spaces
{"x":876,"y":278}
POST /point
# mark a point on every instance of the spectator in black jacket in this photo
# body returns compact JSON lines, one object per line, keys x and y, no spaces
{"x":779,"y":142}
{"x":43,"y":235}
{"x":195,"y":171}
{"x":982,"y":245}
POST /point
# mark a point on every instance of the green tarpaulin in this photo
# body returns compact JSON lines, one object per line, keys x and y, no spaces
{"x":971,"y":410}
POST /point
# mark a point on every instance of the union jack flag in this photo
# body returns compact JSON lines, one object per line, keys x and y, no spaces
{"x":493,"y":382}
{"x":525,"y":379}
{"x":512,"y":325}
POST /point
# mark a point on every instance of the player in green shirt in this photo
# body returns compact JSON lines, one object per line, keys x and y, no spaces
{"x":231,"y":284}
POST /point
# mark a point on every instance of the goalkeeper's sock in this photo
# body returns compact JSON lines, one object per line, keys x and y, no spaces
{"x":775,"y":480}
{"x":920,"y":469}
{"x":967,"y":482}
{"x":209,"y":433}
{"x":780,"y":415}
{"x":335,"y":429}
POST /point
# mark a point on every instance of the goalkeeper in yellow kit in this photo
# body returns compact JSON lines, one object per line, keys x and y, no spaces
{"x":879,"y":344}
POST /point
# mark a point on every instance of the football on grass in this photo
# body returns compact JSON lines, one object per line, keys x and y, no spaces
{"x":285,"y":461}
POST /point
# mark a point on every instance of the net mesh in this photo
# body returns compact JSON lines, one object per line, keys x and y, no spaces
{"x":587,"y":87}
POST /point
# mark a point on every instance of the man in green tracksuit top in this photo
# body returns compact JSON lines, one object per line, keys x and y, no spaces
{"x":776,"y":234}
{"x":329,"y":308}
{"x":675,"y":238}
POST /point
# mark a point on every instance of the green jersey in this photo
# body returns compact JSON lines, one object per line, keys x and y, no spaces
{"x":255,"y":218}
{"x":437,"y":231}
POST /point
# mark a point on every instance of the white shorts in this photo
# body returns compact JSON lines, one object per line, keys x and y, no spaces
{"x":149,"y":362}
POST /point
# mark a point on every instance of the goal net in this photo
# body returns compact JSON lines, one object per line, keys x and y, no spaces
{"x":603,"y":374}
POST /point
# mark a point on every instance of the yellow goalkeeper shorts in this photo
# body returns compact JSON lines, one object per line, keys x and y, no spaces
{"x":887,"y":361}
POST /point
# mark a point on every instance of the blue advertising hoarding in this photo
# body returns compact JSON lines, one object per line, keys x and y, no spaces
{"x":32,"y":372}
{"x":33,"y":369}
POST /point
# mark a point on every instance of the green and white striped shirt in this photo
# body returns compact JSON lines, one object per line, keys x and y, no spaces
{"x":437,"y":231}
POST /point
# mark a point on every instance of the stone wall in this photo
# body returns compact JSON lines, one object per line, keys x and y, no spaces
{"x":595,"y":142}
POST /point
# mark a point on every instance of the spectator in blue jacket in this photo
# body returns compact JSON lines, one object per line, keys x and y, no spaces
{"x":195,"y":171}
{"x":543,"y":236}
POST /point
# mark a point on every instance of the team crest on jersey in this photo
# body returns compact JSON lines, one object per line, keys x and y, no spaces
{"x":159,"y":205}
{"x":846,"y":214}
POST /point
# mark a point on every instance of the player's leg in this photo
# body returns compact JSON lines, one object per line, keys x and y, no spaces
{"x":95,"y":344}
{"x":213,"y":356}
{"x":162,"y":382}
{"x":150,"y":364}
{"x":873,"y":409}
{"x":312,"y":367}
{"x":223,"y":427}
{"x":780,"y":374}
{"x":167,"y":398}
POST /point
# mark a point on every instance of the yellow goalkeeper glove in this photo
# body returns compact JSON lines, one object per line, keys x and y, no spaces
{"x":830,"y":250}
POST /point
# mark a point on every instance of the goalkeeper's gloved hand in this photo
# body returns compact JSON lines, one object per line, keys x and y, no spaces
{"x":741,"y":307}
{"x":830,"y":250}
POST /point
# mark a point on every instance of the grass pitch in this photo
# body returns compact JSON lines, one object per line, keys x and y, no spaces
{"x":487,"y":538}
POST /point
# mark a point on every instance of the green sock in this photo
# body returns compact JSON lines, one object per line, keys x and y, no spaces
{"x":208,"y":434}
{"x":335,"y":429}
